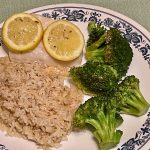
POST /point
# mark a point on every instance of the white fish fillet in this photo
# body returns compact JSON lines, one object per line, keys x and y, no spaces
{"x":40,"y":54}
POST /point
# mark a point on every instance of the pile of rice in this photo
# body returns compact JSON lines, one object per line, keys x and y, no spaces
{"x":34,"y":102}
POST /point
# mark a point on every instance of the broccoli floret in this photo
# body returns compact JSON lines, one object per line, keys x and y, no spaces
{"x":94,"y":77}
{"x":103,"y":119}
{"x":129,"y":98}
{"x":95,"y":31}
{"x":113,"y":49}
{"x":89,"y":110}
{"x":108,"y":59}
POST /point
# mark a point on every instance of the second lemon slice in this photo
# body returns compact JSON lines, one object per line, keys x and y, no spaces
{"x":63,"y":40}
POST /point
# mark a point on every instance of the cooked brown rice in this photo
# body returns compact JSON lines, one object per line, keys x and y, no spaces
{"x":34,"y":103}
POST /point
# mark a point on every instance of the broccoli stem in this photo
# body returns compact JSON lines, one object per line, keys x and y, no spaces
{"x":91,"y":26}
{"x":112,"y":142}
{"x":129,"y":97}
{"x":136,"y":104}
{"x":97,"y":44}
{"x":119,"y":120}
{"x":105,"y":129}
{"x":96,"y":53}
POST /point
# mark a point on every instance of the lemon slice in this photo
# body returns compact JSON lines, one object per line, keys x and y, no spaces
{"x":22,"y":32}
{"x":63,"y":40}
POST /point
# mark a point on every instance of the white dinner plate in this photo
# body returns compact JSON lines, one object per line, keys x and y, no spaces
{"x":136,"y":130}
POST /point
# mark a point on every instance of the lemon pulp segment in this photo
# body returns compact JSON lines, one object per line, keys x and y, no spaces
{"x":22,"y":30}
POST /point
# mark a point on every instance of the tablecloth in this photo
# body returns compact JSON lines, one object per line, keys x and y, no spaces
{"x":138,"y":10}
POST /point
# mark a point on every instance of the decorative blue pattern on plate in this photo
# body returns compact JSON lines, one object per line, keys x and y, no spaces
{"x":140,"y":139}
{"x":135,"y":37}
{"x":2,"y":147}
{"x":81,"y":15}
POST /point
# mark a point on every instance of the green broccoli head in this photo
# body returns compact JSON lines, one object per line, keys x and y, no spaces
{"x":129,"y":98}
{"x":95,"y":31}
{"x":88,"y":110}
{"x":103,"y":119}
{"x":113,"y":49}
{"x":94,"y":77}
